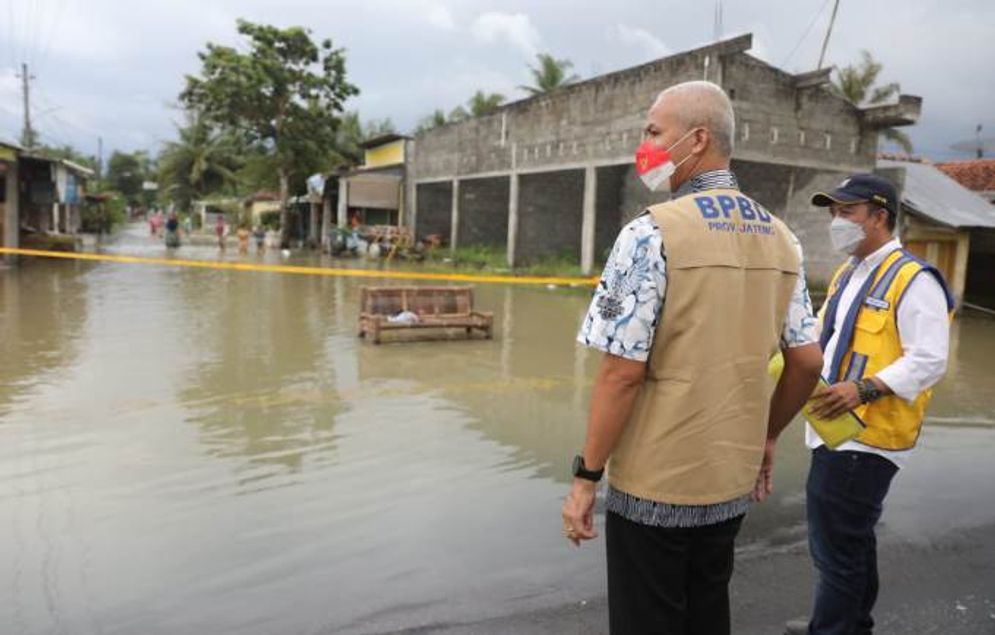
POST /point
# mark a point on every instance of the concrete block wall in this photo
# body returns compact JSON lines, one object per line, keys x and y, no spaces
{"x":483,"y":212}
{"x":550,"y":215}
{"x":608,"y":208}
{"x":787,"y":192}
{"x":434,"y":209}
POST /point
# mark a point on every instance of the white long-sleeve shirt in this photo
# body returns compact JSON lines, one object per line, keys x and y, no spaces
{"x":924,"y":329}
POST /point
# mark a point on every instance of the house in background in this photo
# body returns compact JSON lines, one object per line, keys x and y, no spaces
{"x":977,"y":175}
{"x":375,"y":190}
{"x":948,"y":225}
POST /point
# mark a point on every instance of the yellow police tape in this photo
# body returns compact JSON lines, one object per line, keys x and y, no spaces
{"x":306,"y":271}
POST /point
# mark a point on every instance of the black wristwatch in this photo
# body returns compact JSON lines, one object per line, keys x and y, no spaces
{"x":580,"y":470}
{"x":867,"y":391}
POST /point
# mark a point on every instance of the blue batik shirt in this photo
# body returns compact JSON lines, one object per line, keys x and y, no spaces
{"x":624,"y":316}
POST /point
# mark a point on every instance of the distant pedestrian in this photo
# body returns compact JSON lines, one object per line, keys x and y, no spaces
{"x":187,"y":224}
{"x":243,"y":239}
{"x":260,"y":235}
{"x":219,"y":231}
{"x":173,"y":231}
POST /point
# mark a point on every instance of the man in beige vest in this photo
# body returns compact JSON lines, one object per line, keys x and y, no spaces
{"x":696,"y":296}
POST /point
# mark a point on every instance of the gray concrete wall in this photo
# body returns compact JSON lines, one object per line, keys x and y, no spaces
{"x":608,"y":209}
{"x":787,"y":192}
{"x":434,"y":202}
{"x":600,"y":121}
{"x":10,"y":209}
{"x":790,"y":141}
{"x":550,"y":216}
{"x":483,"y":214}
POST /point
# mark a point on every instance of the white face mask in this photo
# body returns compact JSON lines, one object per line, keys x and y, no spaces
{"x":845,"y":235}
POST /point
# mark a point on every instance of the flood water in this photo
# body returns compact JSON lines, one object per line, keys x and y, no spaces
{"x":199,"y":451}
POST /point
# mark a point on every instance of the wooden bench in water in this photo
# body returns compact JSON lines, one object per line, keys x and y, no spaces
{"x":436,"y":307}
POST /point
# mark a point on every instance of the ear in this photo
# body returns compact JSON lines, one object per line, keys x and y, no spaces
{"x":702,"y":138}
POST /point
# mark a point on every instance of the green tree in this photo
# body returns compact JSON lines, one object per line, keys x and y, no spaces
{"x":434,"y":120}
{"x":856,"y":83}
{"x":126,"y":171}
{"x":550,"y":74}
{"x":458,"y":114}
{"x":484,"y":103}
{"x":283,"y":94}
{"x":202,"y":161}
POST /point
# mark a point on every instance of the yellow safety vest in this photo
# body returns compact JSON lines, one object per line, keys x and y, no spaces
{"x":869,"y":341}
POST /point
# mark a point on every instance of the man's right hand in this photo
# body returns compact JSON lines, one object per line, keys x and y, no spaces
{"x":765,"y":478}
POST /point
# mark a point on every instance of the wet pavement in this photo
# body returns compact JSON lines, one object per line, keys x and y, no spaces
{"x":198,"y":451}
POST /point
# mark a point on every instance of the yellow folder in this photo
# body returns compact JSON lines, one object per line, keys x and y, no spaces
{"x":834,"y":432}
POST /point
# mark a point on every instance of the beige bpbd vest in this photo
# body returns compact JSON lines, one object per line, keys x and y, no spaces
{"x":697,"y":431}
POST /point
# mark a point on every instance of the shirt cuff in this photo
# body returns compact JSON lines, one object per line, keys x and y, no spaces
{"x":614,"y":348}
{"x":900,"y":383}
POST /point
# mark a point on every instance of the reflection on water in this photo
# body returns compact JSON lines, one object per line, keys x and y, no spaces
{"x":187,"y":451}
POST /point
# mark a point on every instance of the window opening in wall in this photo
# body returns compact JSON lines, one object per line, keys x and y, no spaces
{"x":801,"y":138}
{"x":746,"y":131}
{"x":829,"y":141}
{"x":774,"y":133}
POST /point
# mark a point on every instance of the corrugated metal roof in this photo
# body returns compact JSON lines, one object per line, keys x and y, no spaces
{"x":933,"y":194}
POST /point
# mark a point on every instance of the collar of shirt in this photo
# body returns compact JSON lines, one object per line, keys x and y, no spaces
{"x":878,"y":256}
{"x":711,"y":180}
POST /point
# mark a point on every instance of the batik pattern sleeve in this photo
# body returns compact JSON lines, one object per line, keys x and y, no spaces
{"x":800,"y":324}
{"x":627,"y":303}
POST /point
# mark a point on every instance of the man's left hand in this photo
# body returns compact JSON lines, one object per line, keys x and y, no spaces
{"x":832,"y":401}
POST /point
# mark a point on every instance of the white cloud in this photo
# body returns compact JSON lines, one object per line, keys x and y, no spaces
{"x":641,"y":38}
{"x":514,"y":28}
{"x":440,"y":17}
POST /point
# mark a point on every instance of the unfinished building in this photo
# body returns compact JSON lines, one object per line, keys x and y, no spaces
{"x":553,"y":175}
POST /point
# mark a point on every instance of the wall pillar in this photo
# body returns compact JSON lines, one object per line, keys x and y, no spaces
{"x":11,"y":211}
{"x":454,"y":230}
{"x":343,"y":209}
{"x":326,"y":222}
{"x":512,"y":217}
{"x":589,"y":219}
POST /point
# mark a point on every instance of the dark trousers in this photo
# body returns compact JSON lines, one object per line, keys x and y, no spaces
{"x":664,"y":581}
{"x":845,"y":493}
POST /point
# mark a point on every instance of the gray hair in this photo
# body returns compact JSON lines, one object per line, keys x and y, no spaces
{"x":704,"y":104}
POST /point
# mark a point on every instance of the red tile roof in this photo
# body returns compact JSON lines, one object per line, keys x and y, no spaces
{"x":977,"y":175}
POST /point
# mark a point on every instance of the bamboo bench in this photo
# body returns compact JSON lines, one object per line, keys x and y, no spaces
{"x":436,"y":307}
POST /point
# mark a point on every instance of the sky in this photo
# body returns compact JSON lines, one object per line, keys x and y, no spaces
{"x":113,"y":69}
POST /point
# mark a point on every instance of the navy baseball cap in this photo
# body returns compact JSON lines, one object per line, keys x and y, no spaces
{"x":861,"y":188}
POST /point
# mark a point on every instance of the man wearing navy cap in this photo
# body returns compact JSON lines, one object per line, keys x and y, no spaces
{"x":884,"y":335}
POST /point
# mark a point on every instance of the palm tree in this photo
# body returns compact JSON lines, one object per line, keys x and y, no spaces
{"x":550,"y":74}
{"x":202,"y":161}
{"x":484,"y":104}
{"x":856,"y":83}
{"x":436,"y":119}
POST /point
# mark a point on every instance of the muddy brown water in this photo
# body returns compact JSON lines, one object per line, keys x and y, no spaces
{"x":197,"y":451}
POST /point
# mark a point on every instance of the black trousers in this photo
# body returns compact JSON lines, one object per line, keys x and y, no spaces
{"x":664,"y":581}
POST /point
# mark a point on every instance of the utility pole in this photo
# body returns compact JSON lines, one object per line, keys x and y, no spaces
{"x":717,"y":25}
{"x":100,"y":158}
{"x":825,"y":42}
{"x":27,"y":135}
